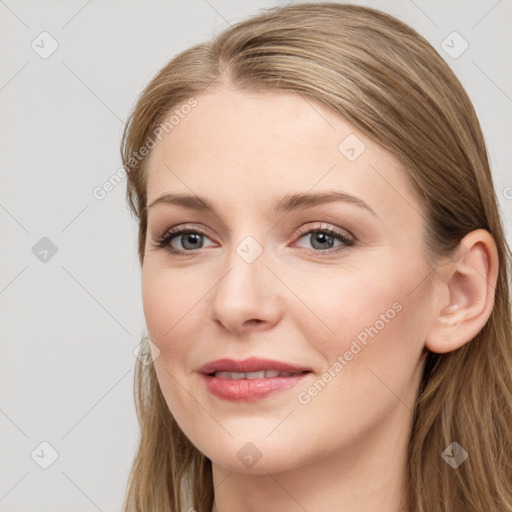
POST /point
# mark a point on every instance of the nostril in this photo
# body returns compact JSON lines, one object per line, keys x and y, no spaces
{"x":254,"y":321}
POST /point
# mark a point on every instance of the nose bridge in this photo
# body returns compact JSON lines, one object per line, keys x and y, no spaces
{"x":247,"y":291}
{"x":246,"y":264}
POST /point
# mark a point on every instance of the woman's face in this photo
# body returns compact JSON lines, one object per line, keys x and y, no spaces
{"x":330,"y":286}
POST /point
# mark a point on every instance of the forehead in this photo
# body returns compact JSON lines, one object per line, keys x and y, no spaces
{"x":239,"y":145}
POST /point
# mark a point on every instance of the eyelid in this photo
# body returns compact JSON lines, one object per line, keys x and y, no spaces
{"x":327,"y":227}
{"x":346,"y":237}
{"x":302,"y":230}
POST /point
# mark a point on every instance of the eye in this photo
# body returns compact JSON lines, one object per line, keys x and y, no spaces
{"x":189,"y":239}
{"x":323,"y":238}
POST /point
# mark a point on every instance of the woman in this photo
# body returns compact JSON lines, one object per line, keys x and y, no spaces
{"x":324,"y":275}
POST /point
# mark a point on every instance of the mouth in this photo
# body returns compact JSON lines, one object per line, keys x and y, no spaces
{"x":262,"y":374}
{"x":251,"y":379}
{"x":252,"y":366}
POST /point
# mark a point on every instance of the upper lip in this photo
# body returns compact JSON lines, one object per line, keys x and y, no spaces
{"x":252,"y":364}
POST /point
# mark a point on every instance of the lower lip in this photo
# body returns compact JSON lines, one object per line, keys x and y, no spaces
{"x":248,"y":390}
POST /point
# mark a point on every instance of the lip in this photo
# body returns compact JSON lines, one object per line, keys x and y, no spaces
{"x":248,"y":390}
{"x":251,"y":364}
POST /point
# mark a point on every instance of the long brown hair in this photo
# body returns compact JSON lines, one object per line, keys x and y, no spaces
{"x":387,"y":80}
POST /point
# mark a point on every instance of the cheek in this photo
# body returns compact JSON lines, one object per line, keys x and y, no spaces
{"x":372,"y":365}
{"x":364,"y":320}
{"x":340,"y":304}
{"x":176,"y":313}
{"x":166,"y":302}
{"x":168,"y":309}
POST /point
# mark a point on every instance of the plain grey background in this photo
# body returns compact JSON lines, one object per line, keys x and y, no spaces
{"x":70,"y":306}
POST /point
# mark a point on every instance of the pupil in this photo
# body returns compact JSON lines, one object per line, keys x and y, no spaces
{"x":323,"y":239}
{"x":190,"y":239}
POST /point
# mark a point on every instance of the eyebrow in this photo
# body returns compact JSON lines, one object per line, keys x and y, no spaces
{"x":288,"y":203}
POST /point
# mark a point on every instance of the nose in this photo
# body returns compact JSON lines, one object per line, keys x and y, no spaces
{"x":247,"y":297}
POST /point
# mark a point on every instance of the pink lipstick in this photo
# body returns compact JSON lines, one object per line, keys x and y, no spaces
{"x":250,"y":379}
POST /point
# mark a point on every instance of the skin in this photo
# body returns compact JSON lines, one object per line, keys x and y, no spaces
{"x":346,"y":448}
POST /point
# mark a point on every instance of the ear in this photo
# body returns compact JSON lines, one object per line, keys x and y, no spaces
{"x":466,"y":289}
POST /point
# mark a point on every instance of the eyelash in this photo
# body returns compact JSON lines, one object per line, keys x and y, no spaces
{"x":164,"y":242}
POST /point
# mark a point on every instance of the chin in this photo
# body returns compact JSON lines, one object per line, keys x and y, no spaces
{"x":262,"y":466}
{"x":253,"y":458}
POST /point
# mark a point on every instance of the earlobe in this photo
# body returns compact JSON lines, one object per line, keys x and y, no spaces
{"x":469,"y":282}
